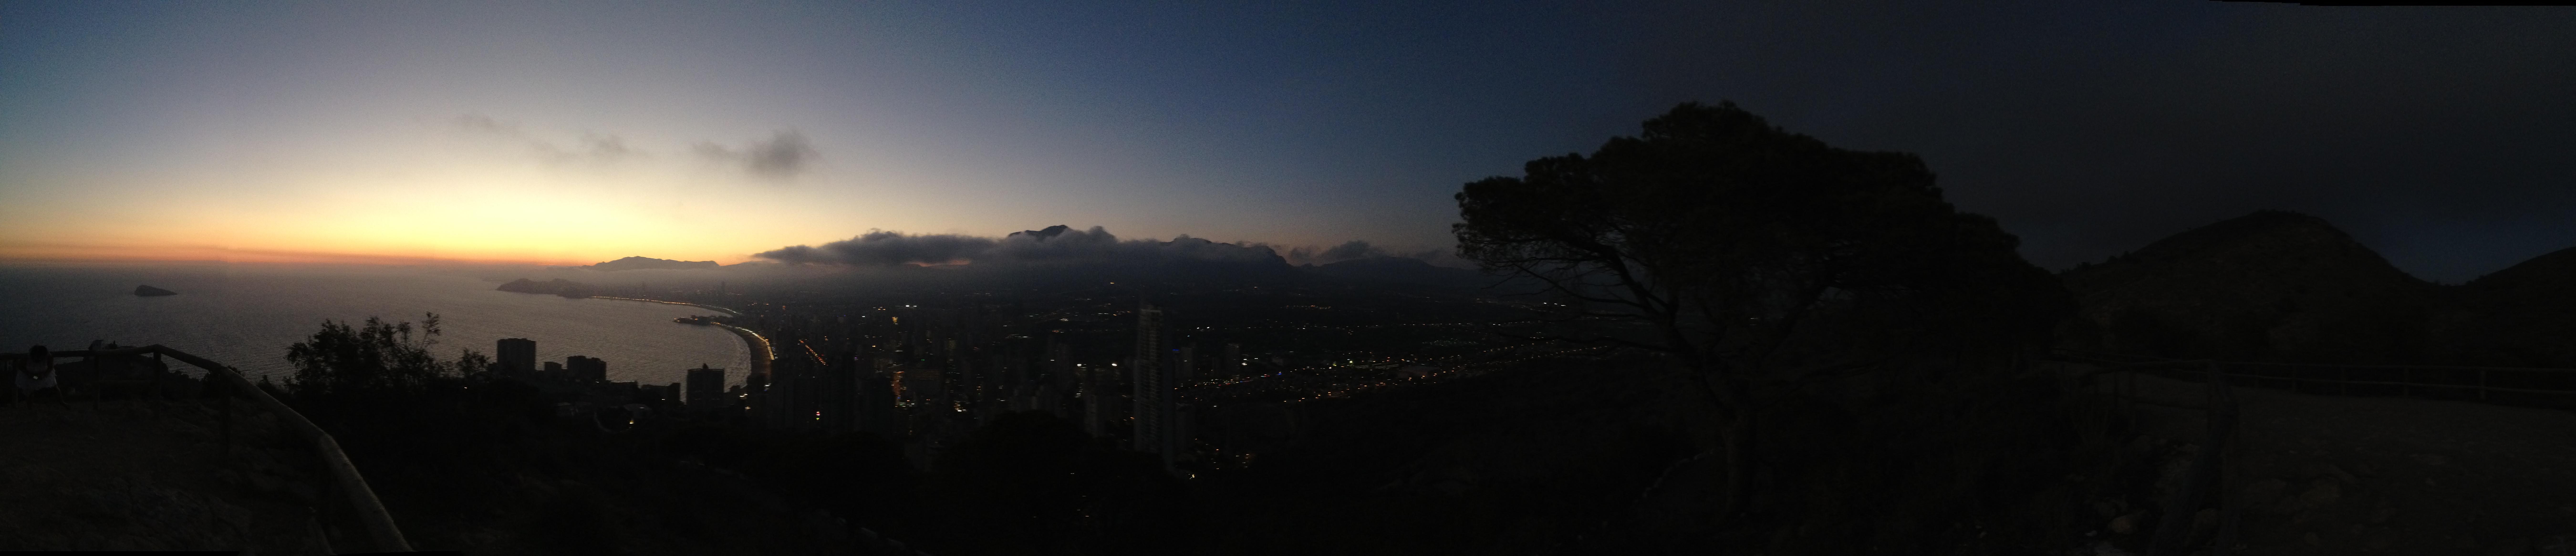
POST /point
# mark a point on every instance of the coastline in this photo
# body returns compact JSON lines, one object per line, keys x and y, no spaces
{"x":760,"y":354}
{"x":760,"y":350}
{"x":728,"y":312}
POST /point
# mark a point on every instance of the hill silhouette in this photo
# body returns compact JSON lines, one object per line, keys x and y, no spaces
{"x":2284,"y":286}
{"x":2522,"y":316}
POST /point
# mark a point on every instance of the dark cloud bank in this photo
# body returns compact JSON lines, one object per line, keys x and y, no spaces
{"x":782,"y":156}
{"x":1054,"y":245}
{"x":1065,"y":252}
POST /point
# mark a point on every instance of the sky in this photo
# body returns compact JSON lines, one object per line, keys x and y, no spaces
{"x":578,"y":132}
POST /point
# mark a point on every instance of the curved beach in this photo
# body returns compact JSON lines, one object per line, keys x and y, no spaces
{"x":760,"y":354}
{"x":728,"y":312}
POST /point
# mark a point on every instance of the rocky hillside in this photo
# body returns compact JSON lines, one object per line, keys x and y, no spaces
{"x":128,"y":475}
{"x":2271,"y":285}
{"x":2523,"y":316}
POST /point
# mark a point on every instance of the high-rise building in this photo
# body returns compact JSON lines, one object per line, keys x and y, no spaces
{"x":1230,"y":365}
{"x":1094,"y":396}
{"x":755,"y":398}
{"x":1168,"y":429}
{"x":1145,"y":376}
{"x":517,"y":356}
{"x":1149,"y":331}
{"x":841,"y":401}
{"x":586,"y":369}
{"x":879,"y":414}
{"x":706,"y":389}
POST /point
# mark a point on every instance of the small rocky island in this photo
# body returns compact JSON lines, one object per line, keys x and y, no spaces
{"x":149,"y":291}
{"x":558,"y":286}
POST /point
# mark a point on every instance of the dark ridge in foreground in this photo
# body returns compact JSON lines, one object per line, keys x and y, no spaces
{"x":149,"y":291}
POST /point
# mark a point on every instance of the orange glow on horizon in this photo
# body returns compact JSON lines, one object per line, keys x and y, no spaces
{"x":26,"y":252}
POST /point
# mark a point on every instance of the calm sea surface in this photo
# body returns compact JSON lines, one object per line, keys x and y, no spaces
{"x":246,"y":316}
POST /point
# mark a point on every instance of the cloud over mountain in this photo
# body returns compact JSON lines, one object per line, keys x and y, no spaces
{"x":1053,"y":245}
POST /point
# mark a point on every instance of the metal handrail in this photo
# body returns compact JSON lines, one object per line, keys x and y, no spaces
{"x":371,"y":512}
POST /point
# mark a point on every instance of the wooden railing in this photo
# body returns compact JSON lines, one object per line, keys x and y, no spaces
{"x":369,"y":511}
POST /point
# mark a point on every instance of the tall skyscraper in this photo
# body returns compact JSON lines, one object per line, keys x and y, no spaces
{"x":879,"y":414}
{"x":842,"y":400}
{"x":1149,"y":331}
{"x":1145,"y":377}
{"x":706,"y":389}
{"x":517,"y":356}
{"x":1094,"y":397}
{"x":1168,"y":429}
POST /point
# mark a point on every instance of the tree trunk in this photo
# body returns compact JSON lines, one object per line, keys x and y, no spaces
{"x":1738,"y":438}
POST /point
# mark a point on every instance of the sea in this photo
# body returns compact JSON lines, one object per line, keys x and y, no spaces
{"x":246,"y":315}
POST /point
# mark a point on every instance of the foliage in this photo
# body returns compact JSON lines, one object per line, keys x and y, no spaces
{"x":374,"y":356}
{"x":1811,"y":292}
{"x":1738,"y":243}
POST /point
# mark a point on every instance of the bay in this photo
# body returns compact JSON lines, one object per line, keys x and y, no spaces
{"x":246,"y":316}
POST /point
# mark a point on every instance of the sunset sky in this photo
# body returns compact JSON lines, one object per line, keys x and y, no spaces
{"x":568,"y":132}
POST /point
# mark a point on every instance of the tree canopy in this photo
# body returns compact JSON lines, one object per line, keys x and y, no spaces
{"x":374,"y":355}
{"x":1766,"y":262}
{"x":1736,"y":239}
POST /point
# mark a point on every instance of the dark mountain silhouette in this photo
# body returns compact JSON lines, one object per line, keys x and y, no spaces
{"x":645,"y":263}
{"x":149,"y":291}
{"x":2272,"y":285}
{"x":2522,"y":316}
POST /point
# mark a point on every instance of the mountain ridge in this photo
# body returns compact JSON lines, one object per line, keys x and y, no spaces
{"x":2285,"y":286}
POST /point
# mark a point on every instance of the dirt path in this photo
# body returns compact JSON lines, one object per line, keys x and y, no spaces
{"x":2343,"y":475}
